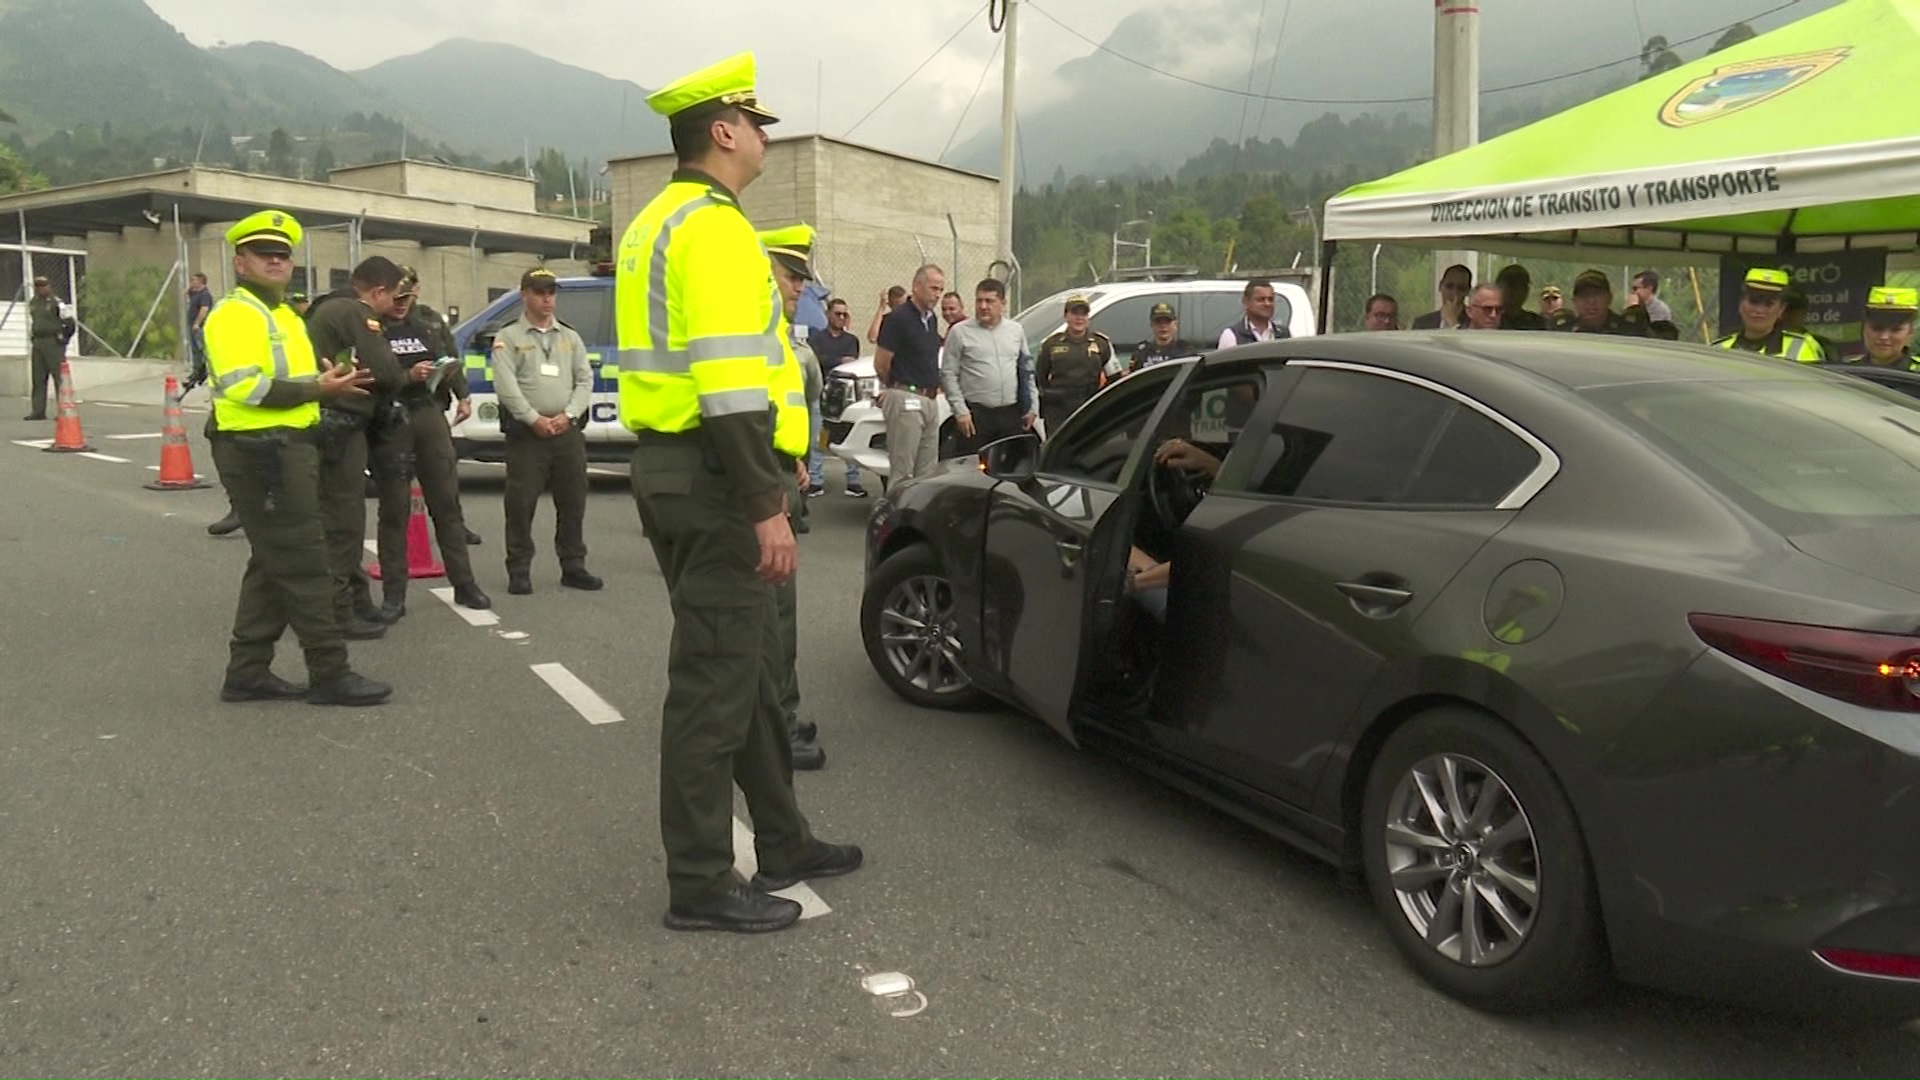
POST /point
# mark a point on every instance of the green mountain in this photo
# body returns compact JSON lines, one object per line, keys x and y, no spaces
{"x":478,"y":100}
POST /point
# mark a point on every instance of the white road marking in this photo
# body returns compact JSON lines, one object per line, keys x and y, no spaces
{"x":372,"y":546}
{"x":474,"y":618}
{"x":141,"y":435}
{"x":746,"y":864}
{"x":33,"y":444}
{"x":578,"y":694}
{"x":592,"y":471}
{"x":107,"y":405}
{"x":105,"y":457}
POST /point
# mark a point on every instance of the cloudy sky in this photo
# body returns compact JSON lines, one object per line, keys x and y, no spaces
{"x":825,"y":65}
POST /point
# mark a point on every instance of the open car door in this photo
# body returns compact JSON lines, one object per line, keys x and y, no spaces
{"x":1057,"y":543}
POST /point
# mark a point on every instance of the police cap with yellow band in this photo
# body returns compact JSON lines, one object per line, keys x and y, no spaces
{"x":268,"y":230}
{"x":725,"y":85}
{"x":539,"y":279}
{"x":1766,"y":279}
{"x":1891,"y":303}
{"x":791,"y":247}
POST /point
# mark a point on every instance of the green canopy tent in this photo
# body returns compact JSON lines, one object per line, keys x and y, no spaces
{"x":1800,"y":141}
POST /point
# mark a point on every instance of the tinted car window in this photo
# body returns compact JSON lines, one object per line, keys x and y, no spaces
{"x":1801,"y":455}
{"x":1093,"y":445}
{"x":1347,"y":436}
{"x":589,"y":312}
{"x":501,"y":318}
{"x":1128,"y":321}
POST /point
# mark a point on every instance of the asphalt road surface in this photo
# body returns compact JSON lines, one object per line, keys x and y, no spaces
{"x":468,"y":881}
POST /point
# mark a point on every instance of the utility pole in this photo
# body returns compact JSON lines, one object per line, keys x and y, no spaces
{"x":1009,"y":67}
{"x":1456,"y":91}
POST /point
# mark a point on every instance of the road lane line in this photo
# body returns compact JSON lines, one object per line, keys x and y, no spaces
{"x":746,"y":864}
{"x":106,"y":457}
{"x":140,"y":435}
{"x":107,"y":405}
{"x":474,"y":618}
{"x":578,"y":694}
{"x":594,"y":471}
{"x":33,"y":444}
{"x":372,"y":546}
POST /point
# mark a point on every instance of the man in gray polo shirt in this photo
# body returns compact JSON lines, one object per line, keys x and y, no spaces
{"x":987,"y":372}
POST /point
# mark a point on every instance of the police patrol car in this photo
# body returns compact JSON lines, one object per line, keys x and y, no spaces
{"x":584,"y":303}
{"x":856,"y":432}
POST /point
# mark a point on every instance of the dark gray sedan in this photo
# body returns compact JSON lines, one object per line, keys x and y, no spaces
{"x":1597,"y":656}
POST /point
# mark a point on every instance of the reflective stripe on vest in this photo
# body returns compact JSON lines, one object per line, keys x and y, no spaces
{"x":246,"y":413}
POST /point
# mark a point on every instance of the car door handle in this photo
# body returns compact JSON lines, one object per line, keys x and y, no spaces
{"x":1069,"y":548}
{"x":1376,"y":601}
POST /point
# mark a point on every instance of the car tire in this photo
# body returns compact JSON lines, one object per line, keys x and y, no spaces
{"x":1527,"y":832}
{"x":896,"y":592}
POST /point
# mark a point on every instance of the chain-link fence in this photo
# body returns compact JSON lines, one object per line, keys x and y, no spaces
{"x":860,"y":266}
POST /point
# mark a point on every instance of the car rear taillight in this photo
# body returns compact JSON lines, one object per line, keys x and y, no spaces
{"x":1879,"y":965}
{"x":1879,"y":671}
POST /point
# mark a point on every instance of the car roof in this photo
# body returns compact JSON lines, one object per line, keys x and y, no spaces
{"x":1575,"y":361}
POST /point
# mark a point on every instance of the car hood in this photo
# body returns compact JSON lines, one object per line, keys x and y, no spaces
{"x":854,"y":369}
{"x":1885,"y":553}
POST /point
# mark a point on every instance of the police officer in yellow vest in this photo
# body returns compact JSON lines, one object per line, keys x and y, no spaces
{"x":791,"y":252}
{"x":1887,"y":331}
{"x":267,"y":388}
{"x":697,"y":315}
{"x":1762,"y":300}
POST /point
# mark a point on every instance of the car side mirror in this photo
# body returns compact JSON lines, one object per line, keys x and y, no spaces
{"x":1015,"y":458}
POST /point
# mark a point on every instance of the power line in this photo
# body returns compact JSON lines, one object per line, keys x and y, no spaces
{"x":957,"y":31}
{"x":1253,"y":65}
{"x":982,"y":81}
{"x":1280,"y":38}
{"x":1390,"y":100}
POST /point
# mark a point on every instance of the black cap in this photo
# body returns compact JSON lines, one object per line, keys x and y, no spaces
{"x":1592,"y":281}
{"x":539,"y":279}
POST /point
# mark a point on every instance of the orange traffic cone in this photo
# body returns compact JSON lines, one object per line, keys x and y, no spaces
{"x":176,"y":457}
{"x":420,"y":560}
{"x":67,"y":438}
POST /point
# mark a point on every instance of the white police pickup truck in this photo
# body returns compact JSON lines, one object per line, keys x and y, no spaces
{"x":857,"y":433}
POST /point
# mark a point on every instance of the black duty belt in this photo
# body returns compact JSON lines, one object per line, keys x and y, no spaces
{"x":273,"y":434}
{"x":923,"y":391}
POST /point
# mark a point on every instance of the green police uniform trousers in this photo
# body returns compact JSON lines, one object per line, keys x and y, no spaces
{"x":721,"y":724}
{"x":48,"y":352}
{"x":557,"y":465}
{"x":420,"y":449}
{"x":275,"y":491}
{"x":343,"y":502}
{"x":786,"y":599}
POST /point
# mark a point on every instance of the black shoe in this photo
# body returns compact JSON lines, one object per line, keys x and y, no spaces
{"x":359,"y":629}
{"x":827,"y":860}
{"x":268,"y":687}
{"x":349,"y":689}
{"x":815,"y":491}
{"x":228,"y":524}
{"x":800,"y":527}
{"x":578,"y":578}
{"x":854,"y":491}
{"x":394,"y":609}
{"x":519,"y":584}
{"x":739,"y":909}
{"x":470,"y":596}
{"x":473,"y":538}
{"x":807,"y":755}
{"x":367,"y":612}
{"x":35,"y":416}
{"x":803,"y":730}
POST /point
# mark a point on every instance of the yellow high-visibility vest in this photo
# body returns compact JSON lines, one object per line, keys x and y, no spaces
{"x":792,"y":434}
{"x":1794,"y":346}
{"x":250,"y":346}
{"x":696,"y":311}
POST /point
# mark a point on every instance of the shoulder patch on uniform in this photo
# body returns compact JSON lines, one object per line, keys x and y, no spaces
{"x":373,"y":325}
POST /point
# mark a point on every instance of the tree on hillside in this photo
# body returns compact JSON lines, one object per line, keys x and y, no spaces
{"x":322,"y":162}
{"x":15,"y":175}
{"x":281,"y":160}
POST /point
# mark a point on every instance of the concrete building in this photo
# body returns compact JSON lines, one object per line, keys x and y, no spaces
{"x":880,"y":215}
{"x":470,"y":234}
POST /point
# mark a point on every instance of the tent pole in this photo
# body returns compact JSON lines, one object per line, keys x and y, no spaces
{"x":1326,"y":285}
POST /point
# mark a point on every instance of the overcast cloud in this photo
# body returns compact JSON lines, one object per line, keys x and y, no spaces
{"x":1331,"y":48}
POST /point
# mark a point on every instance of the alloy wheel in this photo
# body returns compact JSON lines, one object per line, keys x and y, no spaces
{"x":1463,"y":860}
{"x":918,"y":637}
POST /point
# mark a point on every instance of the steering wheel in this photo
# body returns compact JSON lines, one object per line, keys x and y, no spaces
{"x":1174,"y":493}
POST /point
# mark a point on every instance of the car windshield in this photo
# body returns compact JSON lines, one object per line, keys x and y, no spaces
{"x":1044,"y":317}
{"x":1804,"y":456}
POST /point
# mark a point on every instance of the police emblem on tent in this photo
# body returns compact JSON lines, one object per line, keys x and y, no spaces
{"x":1734,"y":87}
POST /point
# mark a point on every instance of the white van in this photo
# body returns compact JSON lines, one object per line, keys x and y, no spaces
{"x":856,"y":432}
